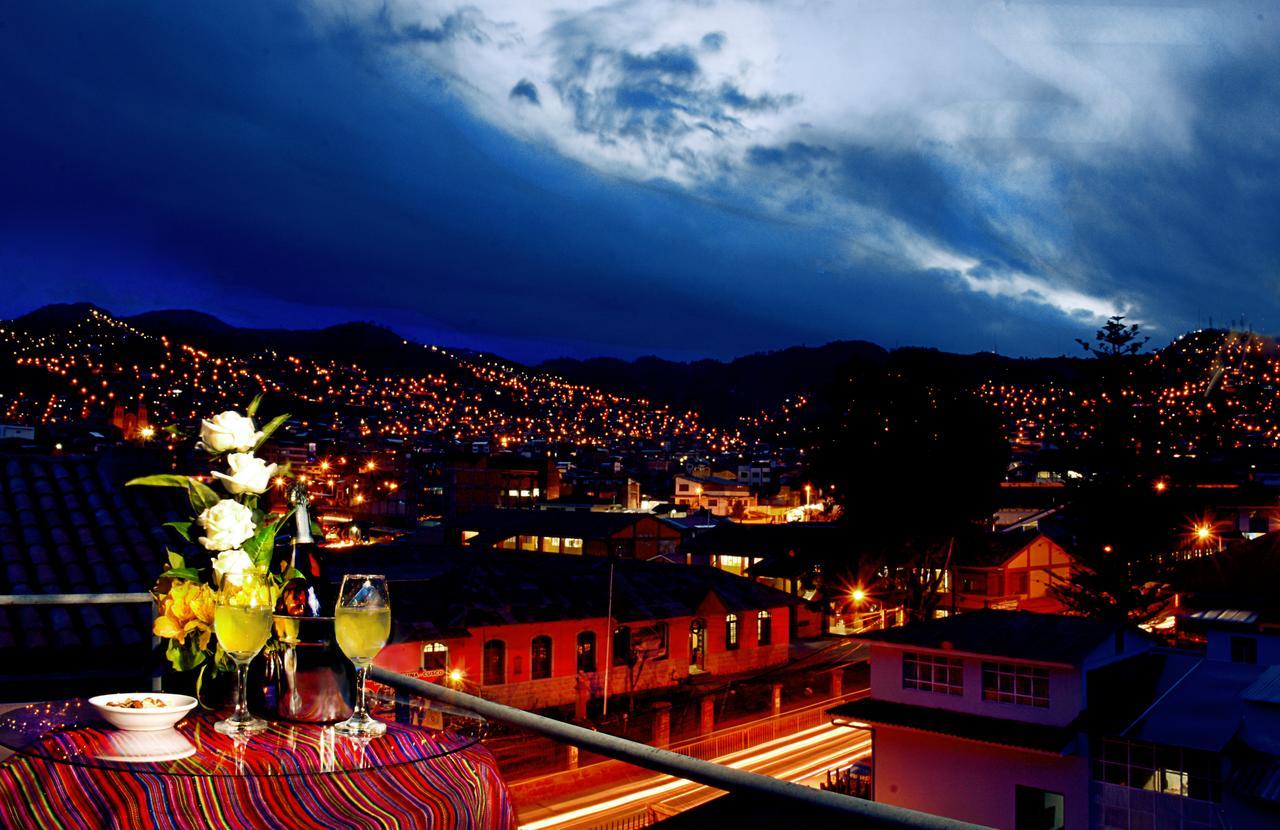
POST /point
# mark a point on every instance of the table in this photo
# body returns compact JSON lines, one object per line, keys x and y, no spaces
{"x":70,"y":769}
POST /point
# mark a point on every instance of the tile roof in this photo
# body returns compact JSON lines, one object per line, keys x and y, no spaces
{"x":1016,"y":634}
{"x":68,"y":525}
{"x":443,"y":590}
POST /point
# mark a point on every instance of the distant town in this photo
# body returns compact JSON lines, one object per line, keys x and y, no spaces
{"x":934,"y":560}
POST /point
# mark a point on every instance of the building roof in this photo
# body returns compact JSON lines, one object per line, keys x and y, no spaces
{"x":807,"y":540}
{"x":1266,"y":689}
{"x":1201,"y":710}
{"x":497,"y":523}
{"x":456,"y":591}
{"x":990,"y":550}
{"x":1019,"y":635}
{"x":1241,"y":577}
{"x":719,"y":481}
{"x":1118,"y":693}
{"x":1033,"y":736}
{"x":68,"y":525}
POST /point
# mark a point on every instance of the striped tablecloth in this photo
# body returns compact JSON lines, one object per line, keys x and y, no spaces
{"x":293,"y":776}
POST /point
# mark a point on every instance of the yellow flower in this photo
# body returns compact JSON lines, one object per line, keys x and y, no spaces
{"x":187,"y":607}
{"x":206,"y":631}
{"x":167,"y":627}
{"x":202,"y":606}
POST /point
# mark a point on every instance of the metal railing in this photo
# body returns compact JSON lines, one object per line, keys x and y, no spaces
{"x":866,"y":813}
{"x":763,"y":730}
{"x":75,"y":599}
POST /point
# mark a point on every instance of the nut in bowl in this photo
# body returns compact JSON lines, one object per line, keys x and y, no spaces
{"x":142,"y":711}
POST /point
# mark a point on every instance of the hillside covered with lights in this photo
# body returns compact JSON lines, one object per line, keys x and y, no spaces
{"x":1208,"y":390}
{"x":78,"y":363}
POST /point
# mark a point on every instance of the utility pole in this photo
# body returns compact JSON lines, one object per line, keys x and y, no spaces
{"x":608,"y":644}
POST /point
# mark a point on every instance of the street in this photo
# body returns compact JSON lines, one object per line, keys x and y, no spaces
{"x":803,"y":758}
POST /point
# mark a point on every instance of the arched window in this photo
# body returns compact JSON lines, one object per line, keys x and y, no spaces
{"x":587,"y":651}
{"x":435,"y":659}
{"x":764,"y":628}
{"x":622,"y":646}
{"x":495,"y":663}
{"x":540,"y":657}
{"x":730,"y":631}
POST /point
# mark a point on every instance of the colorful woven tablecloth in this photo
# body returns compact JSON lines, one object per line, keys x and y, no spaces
{"x":294,"y":776}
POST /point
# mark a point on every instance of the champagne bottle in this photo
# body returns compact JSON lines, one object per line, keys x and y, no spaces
{"x":310,"y":594}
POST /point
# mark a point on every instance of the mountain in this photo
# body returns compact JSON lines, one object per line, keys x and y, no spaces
{"x":355,"y":381}
{"x":369,"y":343}
{"x":56,"y":317}
{"x":723,"y":390}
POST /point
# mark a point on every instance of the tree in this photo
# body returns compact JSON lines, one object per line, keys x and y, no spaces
{"x":1121,"y":533}
{"x":1115,"y":339}
{"x":1121,"y":432}
{"x":916,"y":465}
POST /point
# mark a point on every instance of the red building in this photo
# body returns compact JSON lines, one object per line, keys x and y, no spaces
{"x":1013,"y":570}
{"x":536,"y":631}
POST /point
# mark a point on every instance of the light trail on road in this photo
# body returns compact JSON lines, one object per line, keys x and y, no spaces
{"x":801,"y":758}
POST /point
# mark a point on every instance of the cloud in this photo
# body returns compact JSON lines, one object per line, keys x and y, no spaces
{"x":715,"y":177}
{"x":526,"y":89}
{"x":975,"y":124}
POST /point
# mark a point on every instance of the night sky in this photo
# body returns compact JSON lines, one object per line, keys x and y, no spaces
{"x":677,"y":178}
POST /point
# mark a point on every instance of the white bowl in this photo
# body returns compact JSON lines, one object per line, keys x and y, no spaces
{"x":150,"y":747}
{"x":148,"y":719}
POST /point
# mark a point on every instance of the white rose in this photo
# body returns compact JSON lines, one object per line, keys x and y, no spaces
{"x":248,"y":474}
{"x":231,"y":563}
{"x":228,"y":431}
{"x":228,"y":524}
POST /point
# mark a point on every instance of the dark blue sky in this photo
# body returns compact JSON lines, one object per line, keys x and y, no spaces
{"x":657,"y":177}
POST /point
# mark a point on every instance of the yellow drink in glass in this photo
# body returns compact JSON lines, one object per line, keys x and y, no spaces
{"x":242,"y":631}
{"x":362,"y":632}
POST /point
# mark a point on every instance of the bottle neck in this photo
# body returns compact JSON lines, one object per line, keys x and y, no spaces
{"x":302,"y":523}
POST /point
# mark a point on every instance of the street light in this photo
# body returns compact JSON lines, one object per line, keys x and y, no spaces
{"x":858,"y":595}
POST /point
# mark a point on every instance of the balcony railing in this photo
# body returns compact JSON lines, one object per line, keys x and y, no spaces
{"x":860,"y":813}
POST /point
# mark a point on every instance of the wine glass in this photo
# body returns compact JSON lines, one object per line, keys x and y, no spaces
{"x":362,"y":622}
{"x":242,"y":621}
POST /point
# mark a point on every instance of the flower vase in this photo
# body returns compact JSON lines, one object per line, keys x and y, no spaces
{"x":217,"y":690}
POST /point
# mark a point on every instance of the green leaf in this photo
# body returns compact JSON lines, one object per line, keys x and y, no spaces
{"x":294,"y":573}
{"x":183,"y":529}
{"x":185,"y":655}
{"x":202,"y":496}
{"x":189,"y":574}
{"x":252,"y":408}
{"x":272,"y":426}
{"x":176,"y":561}
{"x":159,"y":481}
{"x":173,"y":429}
{"x":263,"y":543}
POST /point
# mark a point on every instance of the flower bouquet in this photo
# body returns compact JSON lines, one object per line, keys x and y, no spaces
{"x":227,"y":535}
